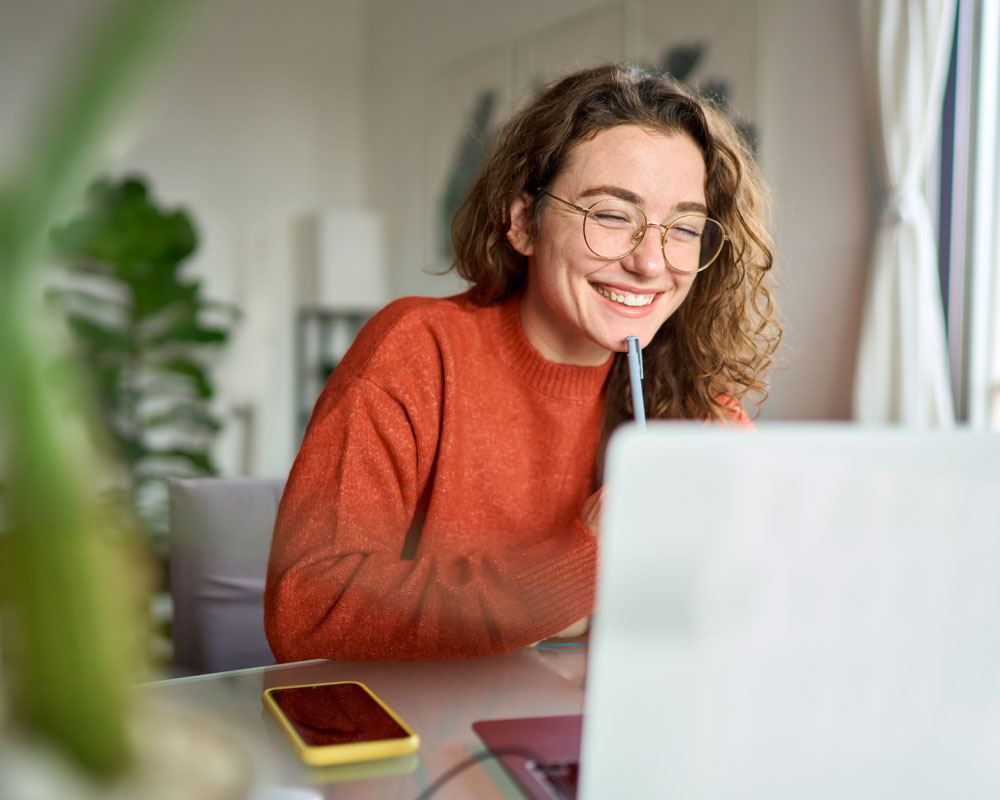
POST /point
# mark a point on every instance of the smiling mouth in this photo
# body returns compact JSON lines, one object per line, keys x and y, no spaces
{"x":625,"y":298}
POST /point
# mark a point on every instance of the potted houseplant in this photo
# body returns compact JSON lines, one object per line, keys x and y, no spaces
{"x":147,"y":335}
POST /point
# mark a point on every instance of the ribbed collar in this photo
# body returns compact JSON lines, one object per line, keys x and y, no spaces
{"x":566,"y":381}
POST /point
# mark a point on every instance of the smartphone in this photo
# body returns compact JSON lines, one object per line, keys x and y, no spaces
{"x":339,"y":723}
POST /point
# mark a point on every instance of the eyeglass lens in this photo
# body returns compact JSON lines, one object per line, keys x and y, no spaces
{"x":614,"y":228}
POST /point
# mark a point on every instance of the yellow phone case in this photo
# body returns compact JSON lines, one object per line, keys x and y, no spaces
{"x":328,"y":755}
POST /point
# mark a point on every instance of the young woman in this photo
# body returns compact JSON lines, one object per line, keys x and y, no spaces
{"x":446,"y":498}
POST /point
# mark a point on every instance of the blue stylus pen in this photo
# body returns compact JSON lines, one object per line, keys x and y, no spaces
{"x":635,"y":379}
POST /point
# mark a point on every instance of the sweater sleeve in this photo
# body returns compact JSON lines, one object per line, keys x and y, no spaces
{"x":339,"y":586}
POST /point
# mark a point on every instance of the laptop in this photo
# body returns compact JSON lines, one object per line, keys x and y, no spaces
{"x":808,"y":611}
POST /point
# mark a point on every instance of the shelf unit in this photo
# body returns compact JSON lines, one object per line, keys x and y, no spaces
{"x":322,"y":336}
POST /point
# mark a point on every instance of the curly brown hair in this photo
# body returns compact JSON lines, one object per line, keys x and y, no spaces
{"x":716,"y":348}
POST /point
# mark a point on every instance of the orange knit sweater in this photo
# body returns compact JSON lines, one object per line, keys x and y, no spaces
{"x":432,"y":511}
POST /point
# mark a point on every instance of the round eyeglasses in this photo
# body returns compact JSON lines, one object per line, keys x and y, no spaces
{"x":613,"y":228}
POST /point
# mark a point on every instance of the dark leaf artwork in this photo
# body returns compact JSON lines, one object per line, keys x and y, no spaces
{"x":473,"y":147}
{"x":681,"y":62}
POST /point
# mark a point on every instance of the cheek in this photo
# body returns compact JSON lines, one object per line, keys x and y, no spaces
{"x":559,"y":264}
{"x":681,"y":293}
{"x":684,"y":287}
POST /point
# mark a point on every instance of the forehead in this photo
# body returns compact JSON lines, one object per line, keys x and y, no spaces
{"x":664,"y":169}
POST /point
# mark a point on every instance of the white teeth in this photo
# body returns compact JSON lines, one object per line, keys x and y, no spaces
{"x":625,"y":298}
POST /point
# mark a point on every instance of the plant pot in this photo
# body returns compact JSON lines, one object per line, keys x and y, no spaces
{"x":179,"y":753}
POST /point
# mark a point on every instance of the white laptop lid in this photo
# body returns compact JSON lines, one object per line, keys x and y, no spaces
{"x":805,"y":611}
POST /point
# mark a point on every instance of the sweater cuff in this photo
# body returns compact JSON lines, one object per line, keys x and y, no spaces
{"x":559,"y":581}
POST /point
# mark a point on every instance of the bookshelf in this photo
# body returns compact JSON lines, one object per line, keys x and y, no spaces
{"x":322,"y":336}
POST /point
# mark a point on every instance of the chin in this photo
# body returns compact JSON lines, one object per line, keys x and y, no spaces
{"x":615,"y":341}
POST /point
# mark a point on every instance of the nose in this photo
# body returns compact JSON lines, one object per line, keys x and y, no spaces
{"x":647,"y":258}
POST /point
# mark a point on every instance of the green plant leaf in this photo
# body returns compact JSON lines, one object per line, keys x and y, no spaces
{"x":132,"y":447}
{"x":99,"y":337}
{"x":163,"y":292}
{"x":199,"y":460}
{"x":67,"y":587}
{"x":87,"y":302}
{"x":216,"y":307}
{"x":186,"y":415}
{"x":186,"y":369}
{"x":121,"y":225}
{"x":190,"y":331}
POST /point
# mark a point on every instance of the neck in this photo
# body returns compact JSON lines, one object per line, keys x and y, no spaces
{"x":578,"y":352}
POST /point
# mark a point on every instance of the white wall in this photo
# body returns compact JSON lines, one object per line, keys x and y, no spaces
{"x":818,"y":163}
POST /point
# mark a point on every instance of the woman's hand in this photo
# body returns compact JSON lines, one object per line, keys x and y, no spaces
{"x":577,"y":629}
{"x":590,"y":514}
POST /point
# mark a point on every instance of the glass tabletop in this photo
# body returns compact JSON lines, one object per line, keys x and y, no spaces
{"x":439,"y":699}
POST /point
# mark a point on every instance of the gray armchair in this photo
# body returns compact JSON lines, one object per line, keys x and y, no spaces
{"x":220,"y":536}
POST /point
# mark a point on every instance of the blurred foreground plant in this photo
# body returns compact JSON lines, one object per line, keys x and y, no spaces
{"x":64,"y":581}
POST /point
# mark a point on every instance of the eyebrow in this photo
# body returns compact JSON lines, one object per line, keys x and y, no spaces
{"x":632,"y":197}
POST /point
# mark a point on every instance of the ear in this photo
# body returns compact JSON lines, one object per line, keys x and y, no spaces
{"x":520,"y":226}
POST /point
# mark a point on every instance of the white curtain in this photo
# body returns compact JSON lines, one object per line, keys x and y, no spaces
{"x":902,"y":373}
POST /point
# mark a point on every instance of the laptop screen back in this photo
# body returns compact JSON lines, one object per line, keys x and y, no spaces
{"x":807,"y":611}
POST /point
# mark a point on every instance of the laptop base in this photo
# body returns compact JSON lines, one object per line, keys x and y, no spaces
{"x":541,"y":754}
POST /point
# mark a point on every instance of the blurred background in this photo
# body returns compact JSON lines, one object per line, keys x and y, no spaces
{"x":314,"y":143}
{"x":318,"y":146}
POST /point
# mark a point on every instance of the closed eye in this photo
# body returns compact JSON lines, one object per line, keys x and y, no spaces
{"x":612,"y":218}
{"x":684,"y":233}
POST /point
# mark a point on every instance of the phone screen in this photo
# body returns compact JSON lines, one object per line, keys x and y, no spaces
{"x":336,"y":713}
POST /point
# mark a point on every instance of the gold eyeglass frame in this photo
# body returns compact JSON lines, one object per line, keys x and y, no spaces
{"x":642,"y":234}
